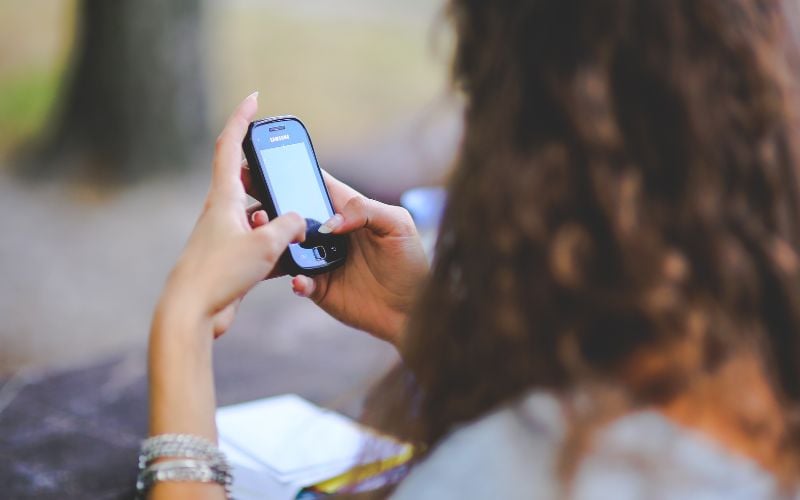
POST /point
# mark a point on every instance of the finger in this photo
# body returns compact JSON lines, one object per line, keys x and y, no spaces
{"x":303,"y":286}
{"x":311,"y":288}
{"x":258,"y":219}
{"x":380,"y":218}
{"x":252,"y":209}
{"x":228,"y":154}
{"x":224,"y":319}
{"x":248,"y":182}
{"x":277,"y":272}
{"x":272,"y":239}
{"x":340,"y":192}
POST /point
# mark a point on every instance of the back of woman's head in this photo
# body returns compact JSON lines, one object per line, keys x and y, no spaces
{"x":625,"y":209}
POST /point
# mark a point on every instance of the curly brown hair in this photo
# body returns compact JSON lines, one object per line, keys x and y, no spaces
{"x":626,"y":190}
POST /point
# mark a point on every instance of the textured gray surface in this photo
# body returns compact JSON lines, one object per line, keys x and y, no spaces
{"x":62,"y":438}
{"x":75,"y":434}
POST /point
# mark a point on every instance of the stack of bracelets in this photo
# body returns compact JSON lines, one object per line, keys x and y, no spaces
{"x":181,"y":457}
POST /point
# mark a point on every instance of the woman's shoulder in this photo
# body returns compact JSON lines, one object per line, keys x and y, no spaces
{"x":514,"y":451}
{"x":646,"y":455}
{"x":500,"y":455}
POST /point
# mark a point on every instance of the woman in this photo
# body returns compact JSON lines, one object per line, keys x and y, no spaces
{"x":614,"y":306}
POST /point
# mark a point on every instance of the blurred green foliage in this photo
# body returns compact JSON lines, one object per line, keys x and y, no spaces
{"x":25,"y":102}
{"x":35,"y":41}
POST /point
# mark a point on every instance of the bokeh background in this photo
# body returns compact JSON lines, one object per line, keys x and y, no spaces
{"x":106,"y":134}
{"x":108,"y":112}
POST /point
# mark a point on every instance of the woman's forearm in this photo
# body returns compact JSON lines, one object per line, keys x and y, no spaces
{"x":227,"y":254}
{"x":182,"y":397}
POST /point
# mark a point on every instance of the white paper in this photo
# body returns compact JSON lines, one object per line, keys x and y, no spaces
{"x":281,"y":444}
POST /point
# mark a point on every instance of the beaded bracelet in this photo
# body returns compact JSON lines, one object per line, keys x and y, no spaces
{"x":193,"y":459}
{"x":180,"y":445}
{"x":183,"y":471}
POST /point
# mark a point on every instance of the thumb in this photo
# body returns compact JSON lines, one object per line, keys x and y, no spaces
{"x":380,"y":218}
{"x":271,"y":239}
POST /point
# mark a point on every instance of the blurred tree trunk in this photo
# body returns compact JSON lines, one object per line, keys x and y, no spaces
{"x":134,"y":102}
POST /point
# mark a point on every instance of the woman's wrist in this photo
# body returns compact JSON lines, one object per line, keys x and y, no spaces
{"x":393,"y":330}
{"x":180,"y":309}
{"x":180,"y":372}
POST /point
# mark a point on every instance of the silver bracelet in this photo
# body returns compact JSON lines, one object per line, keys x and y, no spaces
{"x":187,"y":470}
{"x":179,"y":445}
{"x":194,"y":459}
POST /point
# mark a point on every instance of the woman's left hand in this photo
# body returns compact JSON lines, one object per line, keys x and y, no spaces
{"x":228,"y":252}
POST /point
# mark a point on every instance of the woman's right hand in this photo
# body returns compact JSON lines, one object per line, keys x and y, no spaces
{"x":376,"y":287}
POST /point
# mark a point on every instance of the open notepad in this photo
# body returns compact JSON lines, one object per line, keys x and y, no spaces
{"x":280,"y":445}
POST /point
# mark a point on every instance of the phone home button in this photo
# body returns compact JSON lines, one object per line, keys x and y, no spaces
{"x":319,"y":253}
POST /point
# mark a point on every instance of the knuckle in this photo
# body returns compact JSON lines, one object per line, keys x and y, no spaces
{"x":403,"y":220}
{"x":359,"y":202}
{"x":219,"y":143}
{"x":291,"y":223}
{"x":263,"y":237}
{"x":207,"y":204}
{"x":403,"y":215}
{"x":273,"y":251}
{"x":270,"y":249}
{"x":358,"y":205}
{"x":296,"y":218}
{"x":240,"y":122}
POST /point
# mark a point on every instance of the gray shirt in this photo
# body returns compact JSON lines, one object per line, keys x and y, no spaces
{"x":513,"y":453}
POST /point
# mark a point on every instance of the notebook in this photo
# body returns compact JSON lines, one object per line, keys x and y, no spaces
{"x":281,"y":445}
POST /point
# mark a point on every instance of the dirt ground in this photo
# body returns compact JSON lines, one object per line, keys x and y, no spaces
{"x":79,"y":275}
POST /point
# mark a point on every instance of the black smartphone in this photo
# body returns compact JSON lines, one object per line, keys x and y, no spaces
{"x":284,"y":168}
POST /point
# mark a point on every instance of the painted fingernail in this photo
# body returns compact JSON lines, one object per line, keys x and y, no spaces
{"x":331,"y":224}
{"x":256,"y":215}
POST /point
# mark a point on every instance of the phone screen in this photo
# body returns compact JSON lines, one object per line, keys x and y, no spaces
{"x":290,"y":172}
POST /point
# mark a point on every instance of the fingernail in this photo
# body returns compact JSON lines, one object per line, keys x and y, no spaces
{"x":298,"y":293}
{"x":331,"y":224}
{"x":254,"y":95}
